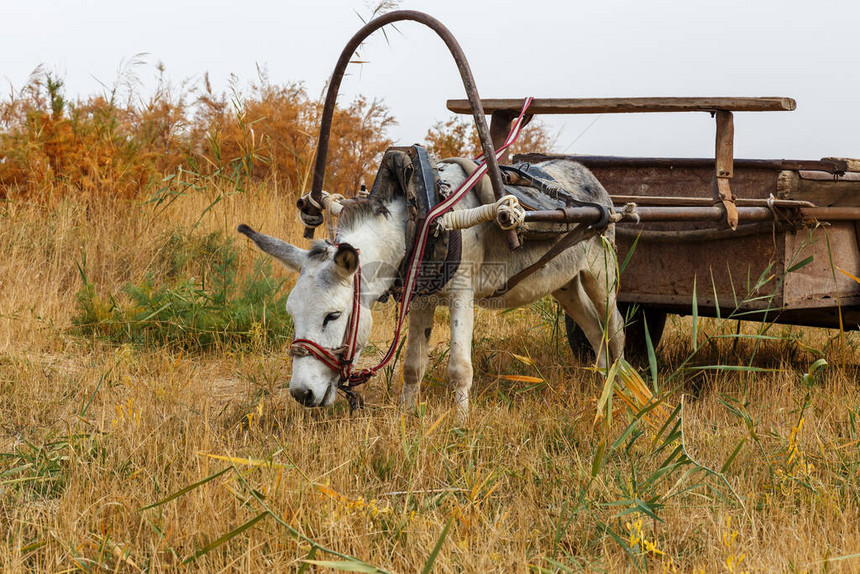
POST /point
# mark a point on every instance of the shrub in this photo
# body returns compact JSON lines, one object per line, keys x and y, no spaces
{"x":123,"y":144}
{"x":182,"y":311}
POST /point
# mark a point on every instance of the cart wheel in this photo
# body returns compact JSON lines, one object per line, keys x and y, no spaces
{"x":635,"y":347}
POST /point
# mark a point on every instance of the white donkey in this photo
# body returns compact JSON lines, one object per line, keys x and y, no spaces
{"x":370,"y":231}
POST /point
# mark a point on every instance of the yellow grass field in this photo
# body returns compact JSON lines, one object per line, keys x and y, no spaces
{"x":128,"y":457}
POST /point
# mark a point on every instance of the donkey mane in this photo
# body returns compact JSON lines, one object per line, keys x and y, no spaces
{"x":319,"y":250}
{"x":357,"y":211}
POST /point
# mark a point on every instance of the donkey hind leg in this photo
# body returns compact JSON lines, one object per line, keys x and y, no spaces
{"x":417,"y":346}
{"x":599,"y":283}
{"x":460,"y":357}
{"x":576,"y":302}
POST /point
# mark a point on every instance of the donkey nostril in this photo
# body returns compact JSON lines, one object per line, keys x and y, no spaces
{"x":304,"y":396}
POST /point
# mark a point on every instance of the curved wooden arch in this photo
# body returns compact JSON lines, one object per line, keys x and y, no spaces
{"x":310,"y":207}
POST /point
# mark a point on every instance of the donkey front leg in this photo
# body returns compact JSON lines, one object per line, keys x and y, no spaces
{"x":462,"y":309}
{"x":417,"y":345}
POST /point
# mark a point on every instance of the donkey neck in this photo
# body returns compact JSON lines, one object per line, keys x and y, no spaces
{"x":381,"y":241}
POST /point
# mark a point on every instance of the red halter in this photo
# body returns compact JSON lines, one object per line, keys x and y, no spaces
{"x":341,"y":359}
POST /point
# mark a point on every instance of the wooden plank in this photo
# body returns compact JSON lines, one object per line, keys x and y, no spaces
{"x":822,"y":188}
{"x":852,"y":164}
{"x":682,"y":305}
{"x":630,"y":105}
{"x":664,"y":273}
{"x":597,"y":161}
{"x":815,"y":175}
{"x":813,"y":284}
{"x":692,"y":180}
{"x":827,"y":316}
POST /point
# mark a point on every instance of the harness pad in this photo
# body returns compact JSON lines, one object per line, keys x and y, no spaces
{"x":410,"y":171}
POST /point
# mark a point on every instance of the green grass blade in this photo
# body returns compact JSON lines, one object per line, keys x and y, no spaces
{"x":732,"y":284}
{"x":629,"y":255}
{"x":187,"y":489}
{"x":645,"y":508}
{"x":559,"y":567}
{"x":731,"y":458}
{"x":814,"y":369}
{"x":606,"y":396}
{"x":749,"y":336}
{"x":674,"y":415}
{"x":695,"y":318}
{"x":800,"y":264}
{"x":762,"y":313}
{"x":629,"y":551}
{"x":716,"y":298}
{"x":623,"y":436}
{"x":227,"y":537}
{"x":763,"y":279}
{"x":309,"y":557}
{"x":295,"y":533}
{"x":598,"y":458}
{"x":428,"y":566}
{"x":652,"y":357}
{"x":205,"y":211}
{"x":98,"y":386}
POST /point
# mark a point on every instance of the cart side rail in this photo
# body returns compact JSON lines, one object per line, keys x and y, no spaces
{"x":630,"y":105}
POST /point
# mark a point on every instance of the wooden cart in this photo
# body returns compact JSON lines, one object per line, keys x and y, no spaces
{"x":795,"y":268}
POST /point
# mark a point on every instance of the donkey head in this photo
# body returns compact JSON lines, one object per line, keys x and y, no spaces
{"x":320,"y":304}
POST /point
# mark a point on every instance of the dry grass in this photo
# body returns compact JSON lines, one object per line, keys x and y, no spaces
{"x":90,"y":434}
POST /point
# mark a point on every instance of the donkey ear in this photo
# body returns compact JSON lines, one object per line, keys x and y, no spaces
{"x":291,"y":256}
{"x":346,"y":258}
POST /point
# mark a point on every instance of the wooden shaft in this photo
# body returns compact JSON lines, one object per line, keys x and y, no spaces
{"x":671,"y":214}
{"x":674,"y":201}
{"x":630,"y":105}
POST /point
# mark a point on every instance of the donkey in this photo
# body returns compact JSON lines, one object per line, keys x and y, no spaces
{"x":371,"y":232}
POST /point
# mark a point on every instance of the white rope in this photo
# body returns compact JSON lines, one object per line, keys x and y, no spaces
{"x":509,"y":213}
{"x":331,"y":205}
{"x":332,"y":202}
{"x":310,"y":199}
{"x":627,"y":213}
{"x":509,"y":207}
{"x":463,"y":218}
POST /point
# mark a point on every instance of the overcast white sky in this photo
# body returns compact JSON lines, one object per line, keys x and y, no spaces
{"x":544,"y":48}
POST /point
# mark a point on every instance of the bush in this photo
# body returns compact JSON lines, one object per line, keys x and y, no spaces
{"x":185,"y":312}
{"x":123,"y":144}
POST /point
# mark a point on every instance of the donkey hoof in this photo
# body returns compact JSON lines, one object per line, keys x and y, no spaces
{"x":409,"y":399}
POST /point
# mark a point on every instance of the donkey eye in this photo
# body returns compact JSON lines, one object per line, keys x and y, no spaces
{"x":331,"y":317}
